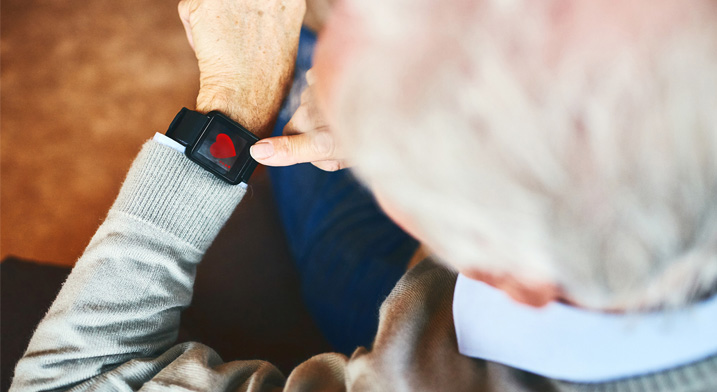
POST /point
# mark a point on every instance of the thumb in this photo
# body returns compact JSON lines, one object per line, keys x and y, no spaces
{"x":183,"y":8}
{"x":292,"y":149}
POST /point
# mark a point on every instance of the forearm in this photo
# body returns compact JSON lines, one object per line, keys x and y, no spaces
{"x":124,"y":296}
{"x":122,"y":300}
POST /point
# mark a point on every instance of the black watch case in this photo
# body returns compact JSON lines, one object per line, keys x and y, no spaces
{"x":223,"y":149}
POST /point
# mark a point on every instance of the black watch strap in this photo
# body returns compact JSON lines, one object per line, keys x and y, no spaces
{"x":187,"y":126}
{"x":215,"y":142}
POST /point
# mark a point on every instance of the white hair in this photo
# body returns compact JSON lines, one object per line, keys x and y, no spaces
{"x":572,"y":142}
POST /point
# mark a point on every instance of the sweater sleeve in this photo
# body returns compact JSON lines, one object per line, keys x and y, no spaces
{"x":124,"y":296}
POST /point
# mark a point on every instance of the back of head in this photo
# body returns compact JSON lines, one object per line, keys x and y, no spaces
{"x":572,"y":142}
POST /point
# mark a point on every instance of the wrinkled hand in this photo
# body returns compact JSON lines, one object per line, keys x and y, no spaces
{"x":307,"y":138}
{"x":246,"y":51}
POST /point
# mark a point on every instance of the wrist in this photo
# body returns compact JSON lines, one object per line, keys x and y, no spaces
{"x":240,"y":107}
{"x":224,"y":100}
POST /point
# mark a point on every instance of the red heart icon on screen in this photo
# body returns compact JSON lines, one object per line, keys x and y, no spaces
{"x":223,"y":147}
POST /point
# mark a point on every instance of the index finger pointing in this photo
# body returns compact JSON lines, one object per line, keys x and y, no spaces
{"x":293,"y":149}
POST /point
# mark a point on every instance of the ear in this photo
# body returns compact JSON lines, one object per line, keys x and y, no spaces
{"x":528,"y":293}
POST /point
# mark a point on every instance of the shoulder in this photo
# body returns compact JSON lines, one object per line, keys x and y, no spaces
{"x":415,"y":347}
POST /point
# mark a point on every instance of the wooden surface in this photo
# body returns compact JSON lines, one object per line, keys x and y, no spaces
{"x":84,"y":84}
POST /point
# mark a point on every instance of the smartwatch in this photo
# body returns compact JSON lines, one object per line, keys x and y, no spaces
{"x":216,"y":143}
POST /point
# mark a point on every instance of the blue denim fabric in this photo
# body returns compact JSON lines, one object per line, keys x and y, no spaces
{"x":348,"y":252}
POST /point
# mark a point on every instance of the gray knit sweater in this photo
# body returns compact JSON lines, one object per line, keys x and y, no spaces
{"x":114,"y":323}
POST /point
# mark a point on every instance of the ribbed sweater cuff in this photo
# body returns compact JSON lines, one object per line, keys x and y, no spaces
{"x":163,"y":187}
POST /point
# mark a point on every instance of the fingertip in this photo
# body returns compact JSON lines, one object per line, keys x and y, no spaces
{"x":310,"y":77}
{"x":262,"y":150}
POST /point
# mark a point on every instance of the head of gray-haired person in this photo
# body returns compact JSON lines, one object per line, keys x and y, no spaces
{"x":558,"y":150}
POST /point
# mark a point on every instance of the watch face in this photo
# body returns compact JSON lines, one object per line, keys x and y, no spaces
{"x":223,"y":148}
{"x":220,"y":148}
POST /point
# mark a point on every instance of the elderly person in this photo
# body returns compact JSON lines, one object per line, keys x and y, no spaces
{"x":557,"y":153}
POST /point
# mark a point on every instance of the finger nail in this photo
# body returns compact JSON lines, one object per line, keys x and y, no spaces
{"x":262,"y":150}
{"x":310,"y":77}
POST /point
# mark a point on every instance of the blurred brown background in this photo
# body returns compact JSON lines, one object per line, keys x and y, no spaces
{"x":84,"y":84}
